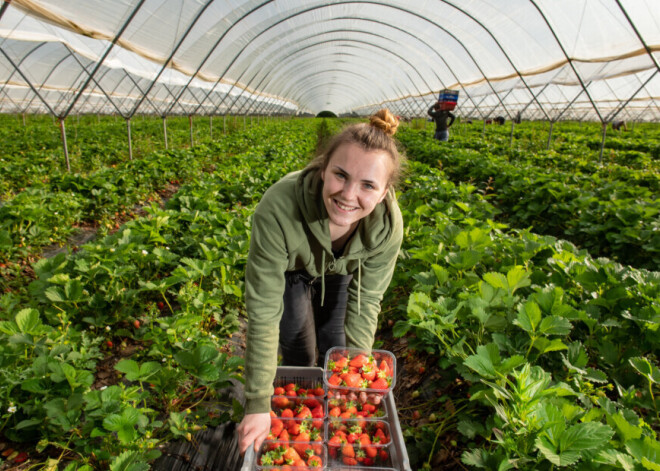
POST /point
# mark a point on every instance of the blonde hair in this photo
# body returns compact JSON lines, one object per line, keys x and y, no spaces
{"x":376,"y":135}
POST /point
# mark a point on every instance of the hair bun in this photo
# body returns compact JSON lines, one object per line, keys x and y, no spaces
{"x":385,"y":121}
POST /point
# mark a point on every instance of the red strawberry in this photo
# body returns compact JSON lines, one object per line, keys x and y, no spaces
{"x":290,"y":455}
{"x":334,"y":380}
{"x":385,"y":368}
{"x":294,"y":428}
{"x":352,"y":380}
{"x":276,"y":426}
{"x":312,"y":403}
{"x":338,"y":364}
{"x":359,"y":361}
{"x":303,"y":412}
{"x":314,"y":461}
{"x":383,"y":455}
{"x":380,"y":435}
{"x":280,"y":402}
{"x":379,"y":383}
{"x":301,"y":442}
{"x":368,"y":372}
{"x":348,"y":451}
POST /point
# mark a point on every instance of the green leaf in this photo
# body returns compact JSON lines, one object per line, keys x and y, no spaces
{"x":646,"y":369}
{"x":529,"y":317}
{"x":586,"y":436}
{"x":28,"y":321}
{"x":517,"y":278}
{"x":73,"y":290}
{"x":544,"y":345}
{"x":28,"y":423}
{"x":130,"y":368}
{"x":128,"y":461}
{"x":496,"y":280}
{"x":441,"y":273}
{"x":555,"y":325}
{"x":624,"y":428}
{"x":465,"y":259}
{"x":645,"y":450}
{"x":548,"y":450}
{"x":595,"y":376}
{"x":484,"y":361}
{"x":55,"y":294}
{"x":510,"y":363}
{"x":400,"y":328}
{"x":469,"y":428}
{"x":123,"y":424}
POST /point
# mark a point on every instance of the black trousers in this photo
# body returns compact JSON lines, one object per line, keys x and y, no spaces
{"x":306,"y":326}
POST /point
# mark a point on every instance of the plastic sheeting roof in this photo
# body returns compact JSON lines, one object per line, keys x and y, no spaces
{"x":542,"y":59}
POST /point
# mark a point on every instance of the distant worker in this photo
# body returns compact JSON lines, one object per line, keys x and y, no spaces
{"x":441,"y":117}
{"x":619,"y":125}
{"x":499,"y":120}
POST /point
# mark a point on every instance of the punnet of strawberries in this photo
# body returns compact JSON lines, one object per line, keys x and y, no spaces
{"x":298,"y":430}
{"x":359,"y":375}
{"x":294,"y":401}
{"x":344,"y":408}
{"x":359,"y":442}
{"x":292,"y":456}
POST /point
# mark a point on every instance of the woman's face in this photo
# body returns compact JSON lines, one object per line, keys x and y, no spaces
{"x":354,"y":182}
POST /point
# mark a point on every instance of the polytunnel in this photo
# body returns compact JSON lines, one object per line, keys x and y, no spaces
{"x":537,"y":59}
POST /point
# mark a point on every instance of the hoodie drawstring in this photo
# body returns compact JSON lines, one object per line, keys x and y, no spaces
{"x":359,"y":285}
{"x":322,"y":277}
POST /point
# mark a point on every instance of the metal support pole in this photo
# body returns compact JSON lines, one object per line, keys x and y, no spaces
{"x":552,"y":123}
{"x":130,"y":143}
{"x":211,"y":126}
{"x":602,"y":144}
{"x":224,"y":124}
{"x":165,"y":130}
{"x":190,"y":120}
{"x":66,"y":148}
{"x":511,"y":138}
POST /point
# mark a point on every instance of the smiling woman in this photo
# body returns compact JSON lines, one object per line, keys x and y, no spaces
{"x":323,"y":250}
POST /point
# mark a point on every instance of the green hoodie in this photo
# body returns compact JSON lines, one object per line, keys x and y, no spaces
{"x":290,"y":232}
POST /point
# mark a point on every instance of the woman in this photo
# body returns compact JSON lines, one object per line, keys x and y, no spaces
{"x":323,"y":250}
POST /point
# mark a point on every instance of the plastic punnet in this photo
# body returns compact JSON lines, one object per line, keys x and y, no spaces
{"x":273,"y":454}
{"x":340,"y":360}
{"x":359,"y":443}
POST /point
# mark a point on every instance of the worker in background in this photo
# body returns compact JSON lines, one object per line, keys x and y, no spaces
{"x":443,"y":120}
{"x":619,"y":125}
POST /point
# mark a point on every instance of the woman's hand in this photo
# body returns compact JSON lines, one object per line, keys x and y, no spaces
{"x":253,"y":428}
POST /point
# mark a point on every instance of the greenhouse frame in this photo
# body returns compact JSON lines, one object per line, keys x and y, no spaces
{"x":595,"y":60}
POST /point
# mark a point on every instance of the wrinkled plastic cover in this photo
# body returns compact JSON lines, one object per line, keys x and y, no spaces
{"x":537,"y":59}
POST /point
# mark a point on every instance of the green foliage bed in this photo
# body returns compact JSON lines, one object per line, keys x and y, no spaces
{"x":543,"y":352}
